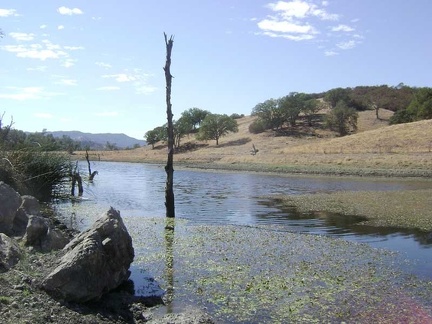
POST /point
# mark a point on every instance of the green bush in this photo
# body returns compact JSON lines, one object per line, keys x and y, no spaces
{"x":237,"y":116}
{"x":31,"y":172}
{"x":401,"y":116}
{"x":342,"y":119}
{"x":257,"y":126}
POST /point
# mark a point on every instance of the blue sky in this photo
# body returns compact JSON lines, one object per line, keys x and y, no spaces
{"x":97,"y":66}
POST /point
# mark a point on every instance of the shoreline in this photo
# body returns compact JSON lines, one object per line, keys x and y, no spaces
{"x":316,"y":169}
{"x":310,"y":171}
{"x":382,"y":209}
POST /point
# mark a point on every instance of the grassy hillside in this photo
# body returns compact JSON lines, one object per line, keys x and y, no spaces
{"x":376,"y":148}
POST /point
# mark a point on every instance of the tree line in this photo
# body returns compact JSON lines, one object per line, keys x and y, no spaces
{"x":205,"y":125}
{"x":14,"y":139}
{"x":408,"y":103}
{"x":343,"y":104}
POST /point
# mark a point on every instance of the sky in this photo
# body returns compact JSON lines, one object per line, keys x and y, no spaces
{"x":97,"y":66}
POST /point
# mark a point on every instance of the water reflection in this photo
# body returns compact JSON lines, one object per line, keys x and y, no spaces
{"x":322,"y":222}
{"x":137,"y":190}
{"x":169,"y":262}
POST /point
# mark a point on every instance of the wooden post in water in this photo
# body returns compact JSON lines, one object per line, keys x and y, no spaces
{"x":169,"y":169}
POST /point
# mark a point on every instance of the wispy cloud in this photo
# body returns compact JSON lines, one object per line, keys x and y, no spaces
{"x":305,"y":20}
{"x":73,"y":48}
{"x":22,"y":36}
{"x":60,"y":27}
{"x":68,"y":82}
{"x":42,"y":51}
{"x":65,"y":120}
{"x":35,"y":51}
{"x":293,"y":20}
{"x":121,"y":77}
{"x":43,"y":115}
{"x":67,"y":63}
{"x":136,"y":78}
{"x":330,"y":53}
{"x":342,"y":28}
{"x":26,"y":93}
{"x":107,"y":114}
{"x":43,"y":26}
{"x":108,"y":88}
{"x":8,"y":12}
{"x":69,"y":11}
{"x":104,"y":65}
{"x":347,"y":45}
{"x":145,"y":89}
{"x":41,"y":68}
{"x":286,"y":28}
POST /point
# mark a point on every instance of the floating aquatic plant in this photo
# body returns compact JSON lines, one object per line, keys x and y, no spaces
{"x":265,"y":274}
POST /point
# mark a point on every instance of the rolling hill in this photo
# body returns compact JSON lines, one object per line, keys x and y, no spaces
{"x":376,"y":149}
{"x":99,"y":141}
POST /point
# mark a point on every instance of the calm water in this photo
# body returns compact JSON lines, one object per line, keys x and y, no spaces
{"x":234,"y":198}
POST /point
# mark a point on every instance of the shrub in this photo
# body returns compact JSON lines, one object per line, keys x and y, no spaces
{"x":342,"y":119}
{"x":401,"y":116}
{"x":237,"y":116}
{"x":32,"y":172}
{"x":257,"y":126}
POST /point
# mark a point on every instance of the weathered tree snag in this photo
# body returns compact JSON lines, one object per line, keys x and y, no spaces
{"x":169,"y":169}
{"x":76,"y":179}
{"x":88,"y":162}
{"x":91,"y":174}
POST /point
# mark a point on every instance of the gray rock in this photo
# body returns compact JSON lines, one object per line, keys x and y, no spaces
{"x":10,"y":201}
{"x":30,"y":205}
{"x":54,"y":240}
{"x":96,"y":262}
{"x":41,"y":236}
{"x":20,"y":222}
{"x":10,"y":253}
{"x":36,"y":231}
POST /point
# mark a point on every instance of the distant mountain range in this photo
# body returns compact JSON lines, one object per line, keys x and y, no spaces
{"x":99,"y":141}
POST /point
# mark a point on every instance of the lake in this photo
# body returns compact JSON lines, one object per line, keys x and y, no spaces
{"x":236,"y":199}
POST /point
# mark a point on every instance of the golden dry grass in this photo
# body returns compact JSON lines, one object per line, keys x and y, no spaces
{"x":401,"y":148}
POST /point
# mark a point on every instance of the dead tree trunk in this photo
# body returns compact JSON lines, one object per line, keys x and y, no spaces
{"x":76,"y":179}
{"x":169,"y":169}
{"x":91,"y":174}
{"x":88,"y":162}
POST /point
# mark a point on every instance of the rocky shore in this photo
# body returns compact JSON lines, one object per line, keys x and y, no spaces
{"x":50,"y":274}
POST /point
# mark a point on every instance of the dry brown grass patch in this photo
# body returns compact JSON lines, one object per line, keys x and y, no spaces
{"x":398,"y":147}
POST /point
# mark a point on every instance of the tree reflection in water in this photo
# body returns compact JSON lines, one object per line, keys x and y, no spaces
{"x":169,"y":262}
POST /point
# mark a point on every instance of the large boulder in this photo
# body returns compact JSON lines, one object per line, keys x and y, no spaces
{"x":10,"y":201}
{"x":29,"y":206}
{"x":96,"y":261}
{"x":10,"y":253}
